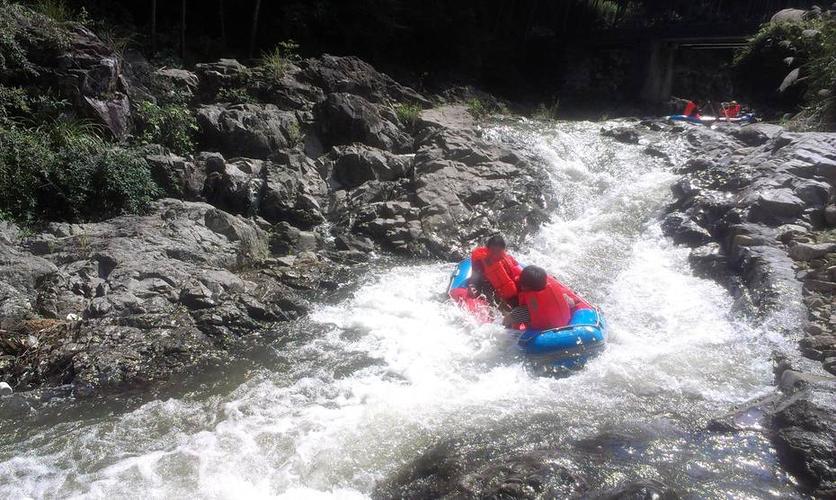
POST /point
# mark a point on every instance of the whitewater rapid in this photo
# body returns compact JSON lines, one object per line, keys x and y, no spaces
{"x":367,"y":384}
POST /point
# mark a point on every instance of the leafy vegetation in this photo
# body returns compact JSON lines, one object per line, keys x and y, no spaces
{"x":809,"y":46}
{"x":171,"y":125}
{"x":276,"y":61}
{"x":477,"y":108}
{"x":59,"y":11}
{"x":22,"y":29}
{"x":66,"y":171}
{"x":408,"y":114}
{"x":235,"y":95}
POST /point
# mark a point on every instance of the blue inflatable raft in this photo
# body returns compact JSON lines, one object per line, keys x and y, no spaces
{"x":710,"y":120}
{"x":567,"y":347}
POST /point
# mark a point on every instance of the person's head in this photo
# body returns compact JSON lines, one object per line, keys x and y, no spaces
{"x":533,"y":278}
{"x":496,"y":246}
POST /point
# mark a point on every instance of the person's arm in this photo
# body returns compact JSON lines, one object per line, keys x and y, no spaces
{"x":518,"y":315}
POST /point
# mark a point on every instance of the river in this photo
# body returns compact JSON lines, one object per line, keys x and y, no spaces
{"x":370,"y":382}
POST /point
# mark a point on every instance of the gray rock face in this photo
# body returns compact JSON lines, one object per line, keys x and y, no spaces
{"x":355,"y":76}
{"x":355,"y":164}
{"x":179,"y":177}
{"x":346,"y":118}
{"x":774,"y":237}
{"x":154,"y":295}
{"x":252,"y":130}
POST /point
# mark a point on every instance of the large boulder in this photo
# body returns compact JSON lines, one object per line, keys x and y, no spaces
{"x":346,"y":118}
{"x":355,"y":76}
{"x":140,"y":298}
{"x":250,"y":130}
{"x":355,"y":164}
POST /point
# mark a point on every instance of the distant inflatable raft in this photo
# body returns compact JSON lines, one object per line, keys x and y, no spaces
{"x":567,"y":347}
{"x":710,"y":120}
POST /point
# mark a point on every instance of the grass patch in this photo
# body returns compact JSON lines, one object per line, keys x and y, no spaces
{"x":275,"y":62}
{"x":408,"y":114}
{"x":171,"y":125}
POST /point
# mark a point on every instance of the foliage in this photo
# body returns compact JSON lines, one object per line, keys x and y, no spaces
{"x":276,"y":61}
{"x":66,"y":171}
{"x":777,"y":49}
{"x":408,"y":114}
{"x":477,"y":108}
{"x":294,"y":134}
{"x":22,"y":29}
{"x":235,"y":95}
{"x":59,"y":11}
{"x":171,"y":125}
{"x":13,"y":102}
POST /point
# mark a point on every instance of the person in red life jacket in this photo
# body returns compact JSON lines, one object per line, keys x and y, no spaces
{"x":544,"y":302}
{"x":493,"y":265}
{"x":731,"y":109}
{"x":691,"y":109}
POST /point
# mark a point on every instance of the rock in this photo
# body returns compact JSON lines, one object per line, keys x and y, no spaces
{"x":648,"y":489}
{"x":830,"y":215}
{"x":805,"y":440}
{"x":285,"y":239}
{"x":791,"y":79}
{"x":622,"y":134}
{"x":176,"y":79}
{"x":346,"y":118}
{"x":708,"y":261}
{"x":5,"y":389}
{"x":157,"y":295}
{"x":769,"y":205}
{"x":756,"y":134}
{"x":354,"y":76}
{"x":355,"y":164}
{"x":807,"y":251}
{"x":224,"y":73}
{"x":177,"y":176}
{"x":293,"y":191}
{"x":814,"y":346}
{"x":249,"y":130}
{"x":788,"y":16}
{"x":684,"y":230}
{"x":236,"y":186}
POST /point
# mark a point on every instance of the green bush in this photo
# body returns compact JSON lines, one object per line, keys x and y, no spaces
{"x":59,"y":11}
{"x":67,"y":172}
{"x":22,"y":29}
{"x":777,"y":49}
{"x":477,"y":108}
{"x":235,"y":95}
{"x":408,"y":114}
{"x":275,"y":62}
{"x":171,"y":125}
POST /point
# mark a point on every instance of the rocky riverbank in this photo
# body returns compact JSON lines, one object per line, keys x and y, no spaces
{"x":290,"y":194}
{"x":757,"y":206}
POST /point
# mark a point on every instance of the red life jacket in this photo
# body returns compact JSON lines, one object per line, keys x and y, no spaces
{"x":547,"y":307}
{"x":733,"y":111}
{"x":502,"y":273}
{"x":690,"y":109}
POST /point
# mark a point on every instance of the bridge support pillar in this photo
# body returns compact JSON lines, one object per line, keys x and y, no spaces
{"x":658,"y":80}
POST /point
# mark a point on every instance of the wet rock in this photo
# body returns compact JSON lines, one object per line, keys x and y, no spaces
{"x":451,"y":472}
{"x":250,"y":130}
{"x":626,"y":135}
{"x":155,"y":295}
{"x":639,"y":490}
{"x":346,"y":118}
{"x":809,"y":251}
{"x":684,"y":230}
{"x":5,"y":389}
{"x":708,"y":261}
{"x":774,"y":204}
{"x":756,"y":134}
{"x":805,"y":440}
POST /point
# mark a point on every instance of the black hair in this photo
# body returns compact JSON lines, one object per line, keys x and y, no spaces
{"x":495,"y":241}
{"x":533,"y":278}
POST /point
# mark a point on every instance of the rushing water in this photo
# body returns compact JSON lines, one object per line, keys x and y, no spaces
{"x":373,"y":381}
